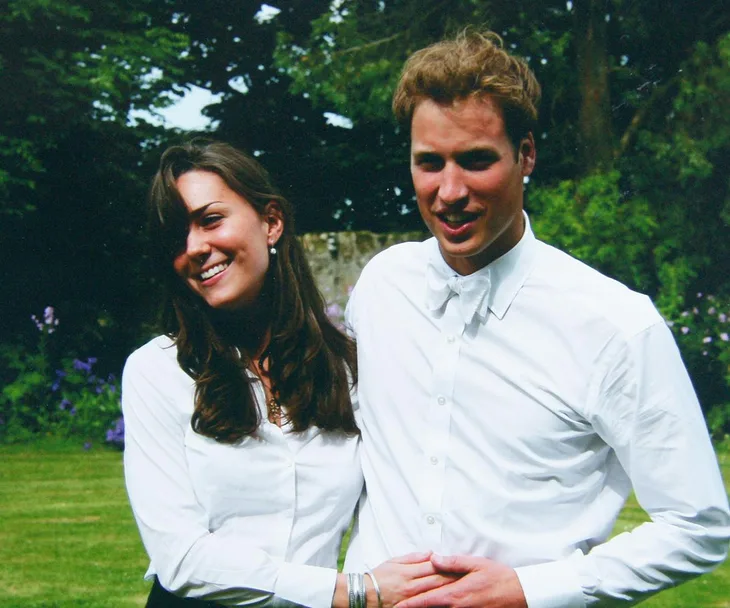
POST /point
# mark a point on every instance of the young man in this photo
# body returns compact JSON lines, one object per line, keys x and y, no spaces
{"x":511,"y":396}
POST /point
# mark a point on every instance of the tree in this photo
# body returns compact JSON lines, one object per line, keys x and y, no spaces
{"x":231,"y":55}
{"x":72,"y":168}
{"x":632,"y":141}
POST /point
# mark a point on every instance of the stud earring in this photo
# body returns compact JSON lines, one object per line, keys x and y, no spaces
{"x":272,"y":250}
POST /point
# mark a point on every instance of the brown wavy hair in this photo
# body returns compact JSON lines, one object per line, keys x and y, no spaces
{"x":474,"y":64}
{"x":311,"y":363}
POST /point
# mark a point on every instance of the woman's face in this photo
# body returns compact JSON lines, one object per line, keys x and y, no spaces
{"x":226,"y":255}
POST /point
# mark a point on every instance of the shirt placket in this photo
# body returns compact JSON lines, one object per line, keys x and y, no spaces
{"x":445,"y":363}
{"x":280,"y":443}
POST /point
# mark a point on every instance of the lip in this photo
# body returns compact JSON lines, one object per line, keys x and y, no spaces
{"x":455,"y":232}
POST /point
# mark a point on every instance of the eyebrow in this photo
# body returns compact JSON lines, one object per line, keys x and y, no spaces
{"x":480,"y":151}
{"x":196,"y":213}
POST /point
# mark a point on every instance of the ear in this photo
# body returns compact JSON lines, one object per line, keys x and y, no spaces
{"x":527,"y":154}
{"x":274,"y":219}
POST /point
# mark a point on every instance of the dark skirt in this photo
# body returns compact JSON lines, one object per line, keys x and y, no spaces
{"x":161,"y":598}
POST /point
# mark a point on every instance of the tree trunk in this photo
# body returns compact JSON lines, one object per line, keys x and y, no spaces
{"x":596,"y":135}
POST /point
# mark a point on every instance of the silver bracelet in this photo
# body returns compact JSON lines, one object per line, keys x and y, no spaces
{"x":350,"y":590}
{"x":376,"y":587}
{"x":356,"y":597}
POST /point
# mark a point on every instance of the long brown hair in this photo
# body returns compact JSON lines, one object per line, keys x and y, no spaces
{"x":311,"y":363}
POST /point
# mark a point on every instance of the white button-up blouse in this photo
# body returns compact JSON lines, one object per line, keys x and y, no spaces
{"x":258,"y":522}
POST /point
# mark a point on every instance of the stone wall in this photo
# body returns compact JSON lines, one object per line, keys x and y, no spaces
{"x":337,"y":258}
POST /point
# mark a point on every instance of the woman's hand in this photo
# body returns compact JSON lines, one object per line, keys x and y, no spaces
{"x":398,"y":579}
{"x":403,"y":577}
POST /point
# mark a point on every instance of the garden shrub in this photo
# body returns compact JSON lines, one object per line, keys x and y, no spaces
{"x":46,"y":394}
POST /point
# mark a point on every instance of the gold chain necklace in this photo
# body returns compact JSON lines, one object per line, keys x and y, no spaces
{"x":273,"y":408}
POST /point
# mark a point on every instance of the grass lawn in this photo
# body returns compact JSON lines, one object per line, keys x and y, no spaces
{"x":67,"y":536}
{"x":68,"y":540}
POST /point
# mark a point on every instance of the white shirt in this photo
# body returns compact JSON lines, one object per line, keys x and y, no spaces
{"x":257,"y":523}
{"x":520,"y":435}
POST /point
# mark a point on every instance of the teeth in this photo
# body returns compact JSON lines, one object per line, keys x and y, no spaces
{"x":211,"y":272}
{"x":456,"y":218}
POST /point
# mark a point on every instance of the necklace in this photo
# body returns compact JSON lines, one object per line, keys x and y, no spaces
{"x":273,"y":408}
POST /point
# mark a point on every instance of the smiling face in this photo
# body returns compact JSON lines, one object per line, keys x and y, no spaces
{"x":468,"y":180}
{"x":226,"y":256}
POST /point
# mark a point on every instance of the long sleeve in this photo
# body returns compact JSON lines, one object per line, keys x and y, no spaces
{"x":645,"y":408}
{"x":191,"y":558}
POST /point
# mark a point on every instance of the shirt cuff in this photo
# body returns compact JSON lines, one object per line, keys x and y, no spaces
{"x":551,"y":585}
{"x":311,"y":586}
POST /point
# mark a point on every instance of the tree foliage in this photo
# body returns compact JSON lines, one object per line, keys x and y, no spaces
{"x":72,"y":172}
{"x":632,"y":170}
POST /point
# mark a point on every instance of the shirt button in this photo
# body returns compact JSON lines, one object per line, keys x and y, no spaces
{"x":434,"y":460}
{"x":441,"y":400}
{"x":431,"y":519}
{"x":450,"y":339}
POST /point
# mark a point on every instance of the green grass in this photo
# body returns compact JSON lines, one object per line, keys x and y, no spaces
{"x":68,"y":540}
{"x":67,"y":536}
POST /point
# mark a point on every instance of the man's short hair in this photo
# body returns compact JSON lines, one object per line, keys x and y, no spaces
{"x":474,"y":64}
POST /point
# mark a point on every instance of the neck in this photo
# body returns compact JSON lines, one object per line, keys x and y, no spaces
{"x":249,"y":329}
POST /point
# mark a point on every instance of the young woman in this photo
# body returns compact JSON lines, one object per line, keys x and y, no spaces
{"x":241,"y":447}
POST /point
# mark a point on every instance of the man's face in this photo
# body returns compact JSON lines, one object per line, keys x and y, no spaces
{"x":468,"y":180}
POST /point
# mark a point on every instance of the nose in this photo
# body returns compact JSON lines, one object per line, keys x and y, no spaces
{"x":197,"y":247}
{"x":452,"y":187}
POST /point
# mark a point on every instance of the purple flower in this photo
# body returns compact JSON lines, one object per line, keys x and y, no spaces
{"x":87,"y":445}
{"x":334,"y":311}
{"x":72,"y":411}
{"x":81,"y":366}
{"x":706,"y":339}
{"x":64,"y":404}
{"x":84,"y":366}
{"x":711,"y":310}
{"x":99,"y":389}
{"x":724,"y":337}
{"x":116,"y":435}
{"x":685,"y":314}
{"x":49,"y":322}
{"x":112,"y":388}
{"x":685,"y":330}
{"x":723,"y":317}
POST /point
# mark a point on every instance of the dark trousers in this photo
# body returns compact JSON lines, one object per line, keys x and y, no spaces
{"x":161,"y":598}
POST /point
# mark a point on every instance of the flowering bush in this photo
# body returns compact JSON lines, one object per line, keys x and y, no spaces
{"x":702,"y":331}
{"x":336,"y":303}
{"x":25,"y":410}
{"x":88,"y":404}
{"x":47,"y":394}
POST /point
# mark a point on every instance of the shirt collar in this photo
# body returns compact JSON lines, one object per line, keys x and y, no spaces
{"x":507,"y":273}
